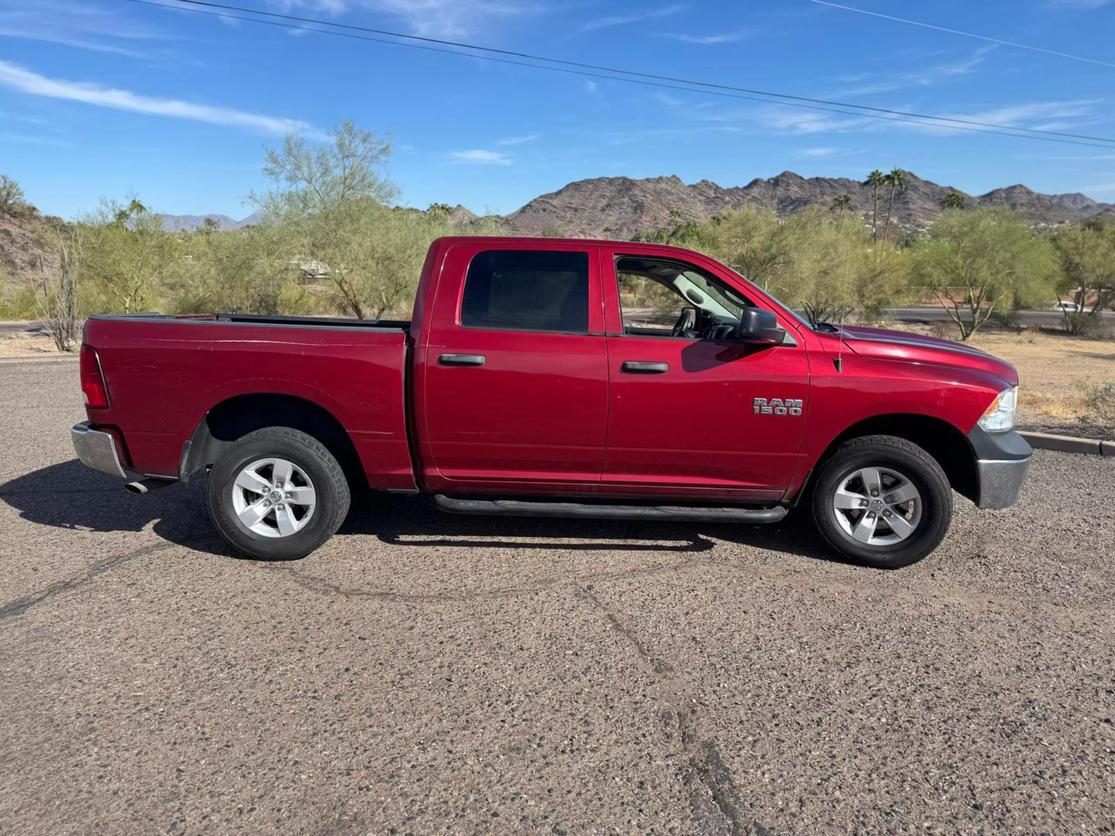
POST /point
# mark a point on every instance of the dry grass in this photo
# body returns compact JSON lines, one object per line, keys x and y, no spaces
{"x":1055,"y":372}
{"x":23,"y":344}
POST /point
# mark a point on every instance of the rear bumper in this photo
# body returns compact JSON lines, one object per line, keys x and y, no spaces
{"x":97,"y":449}
{"x":1001,"y":463}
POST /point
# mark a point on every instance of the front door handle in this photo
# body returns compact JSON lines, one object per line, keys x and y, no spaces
{"x":644,"y":367}
{"x":461,"y":359}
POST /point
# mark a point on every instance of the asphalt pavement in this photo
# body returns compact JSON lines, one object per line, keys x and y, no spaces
{"x":424,"y":672}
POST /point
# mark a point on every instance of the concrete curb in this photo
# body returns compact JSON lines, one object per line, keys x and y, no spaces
{"x":1069,"y":444}
{"x":36,"y":358}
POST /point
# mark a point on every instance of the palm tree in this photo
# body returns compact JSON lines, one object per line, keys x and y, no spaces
{"x":841,"y":203}
{"x":875,"y":180}
{"x":896,"y":181}
{"x":954,"y":200}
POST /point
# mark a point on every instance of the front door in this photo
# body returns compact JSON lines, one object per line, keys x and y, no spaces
{"x":690,"y":415}
{"x":515,"y":369}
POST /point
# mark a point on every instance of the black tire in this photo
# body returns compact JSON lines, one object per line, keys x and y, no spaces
{"x":331,"y":492}
{"x":891,"y":454}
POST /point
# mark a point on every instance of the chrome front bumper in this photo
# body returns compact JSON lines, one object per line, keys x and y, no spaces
{"x":1001,"y":463}
{"x":1000,"y":481}
{"x":97,"y":450}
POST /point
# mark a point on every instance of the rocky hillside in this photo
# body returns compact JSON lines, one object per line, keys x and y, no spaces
{"x":619,"y":206}
{"x":28,"y":246}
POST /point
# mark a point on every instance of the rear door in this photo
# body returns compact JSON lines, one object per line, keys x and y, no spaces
{"x":514,"y":370}
{"x":691,"y":416}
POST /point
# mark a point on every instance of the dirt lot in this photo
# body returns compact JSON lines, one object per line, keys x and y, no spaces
{"x":1055,"y":372}
{"x":425,"y":672}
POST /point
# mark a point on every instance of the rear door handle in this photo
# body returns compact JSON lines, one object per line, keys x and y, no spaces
{"x":461,"y":359}
{"x":644,"y":367}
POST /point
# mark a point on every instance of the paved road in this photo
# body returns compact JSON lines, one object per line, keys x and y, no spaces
{"x":7,"y":328}
{"x":425,"y":672}
{"x":1050,"y":319}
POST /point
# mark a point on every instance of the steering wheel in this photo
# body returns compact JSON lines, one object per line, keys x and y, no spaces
{"x":686,"y":322}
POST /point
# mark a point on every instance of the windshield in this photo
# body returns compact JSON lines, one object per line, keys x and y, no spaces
{"x":795,"y":314}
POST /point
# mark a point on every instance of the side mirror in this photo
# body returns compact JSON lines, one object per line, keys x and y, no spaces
{"x":759,"y":326}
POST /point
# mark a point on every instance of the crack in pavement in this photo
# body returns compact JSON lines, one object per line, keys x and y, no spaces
{"x":325,"y":586}
{"x":706,"y":768}
{"x":21,"y":605}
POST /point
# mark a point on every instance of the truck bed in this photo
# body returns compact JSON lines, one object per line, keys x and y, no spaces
{"x":165,"y":374}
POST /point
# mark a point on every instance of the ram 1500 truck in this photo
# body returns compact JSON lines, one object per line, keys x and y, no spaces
{"x":557,"y":378}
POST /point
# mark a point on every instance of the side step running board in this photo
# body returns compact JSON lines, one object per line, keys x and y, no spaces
{"x":521,"y":508}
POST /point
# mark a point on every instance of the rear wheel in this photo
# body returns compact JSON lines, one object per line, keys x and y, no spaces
{"x":277,"y":494}
{"x":882,"y":501}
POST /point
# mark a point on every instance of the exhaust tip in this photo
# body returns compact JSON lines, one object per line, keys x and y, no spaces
{"x":148,"y":485}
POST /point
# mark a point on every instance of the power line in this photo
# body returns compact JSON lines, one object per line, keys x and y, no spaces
{"x":296,"y":22}
{"x":987,"y":38}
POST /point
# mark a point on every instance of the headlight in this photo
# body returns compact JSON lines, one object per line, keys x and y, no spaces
{"x":999,"y":417}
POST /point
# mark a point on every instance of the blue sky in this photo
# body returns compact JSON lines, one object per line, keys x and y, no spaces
{"x":108,"y":98}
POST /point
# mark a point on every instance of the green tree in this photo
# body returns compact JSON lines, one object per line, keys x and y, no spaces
{"x":875,"y":180}
{"x":250,"y":270}
{"x":331,"y":202}
{"x":983,"y":260}
{"x":125,"y":256}
{"x":1087,"y":256}
{"x":11,"y":196}
{"x":835,"y":268}
{"x":895,"y":182}
{"x":841,"y":203}
{"x":750,"y":240}
{"x":954,"y":200}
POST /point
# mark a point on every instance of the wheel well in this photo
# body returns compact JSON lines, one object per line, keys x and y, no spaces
{"x":940,"y":439}
{"x":242,"y":414}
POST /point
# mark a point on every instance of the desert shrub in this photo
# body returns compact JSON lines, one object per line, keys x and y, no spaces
{"x":11,"y":196}
{"x":1100,"y":401}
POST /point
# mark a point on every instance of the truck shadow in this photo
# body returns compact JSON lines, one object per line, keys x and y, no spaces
{"x":71,"y":496}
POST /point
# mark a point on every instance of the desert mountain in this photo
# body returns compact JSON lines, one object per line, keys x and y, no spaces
{"x":619,"y":207}
{"x":188,"y":223}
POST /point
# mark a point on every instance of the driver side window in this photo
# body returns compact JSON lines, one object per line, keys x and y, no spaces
{"x":665,"y":298}
{"x":650,"y":309}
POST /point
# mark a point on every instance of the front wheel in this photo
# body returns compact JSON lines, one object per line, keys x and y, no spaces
{"x":882,"y":501}
{"x":277,"y":494}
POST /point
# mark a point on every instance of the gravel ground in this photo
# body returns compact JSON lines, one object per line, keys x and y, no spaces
{"x":426,"y":672}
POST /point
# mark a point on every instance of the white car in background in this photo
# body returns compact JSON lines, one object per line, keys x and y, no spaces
{"x":1067,"y":307}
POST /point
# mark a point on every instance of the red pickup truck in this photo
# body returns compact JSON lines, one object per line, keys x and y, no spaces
{"x":557,"y":378}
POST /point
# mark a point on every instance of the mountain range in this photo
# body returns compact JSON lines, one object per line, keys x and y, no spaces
{"x":619,"y":207}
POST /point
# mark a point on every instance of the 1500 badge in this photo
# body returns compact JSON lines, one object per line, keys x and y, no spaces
{"x":777,"y":406}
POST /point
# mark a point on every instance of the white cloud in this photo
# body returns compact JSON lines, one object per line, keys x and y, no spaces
{"x":1085,"y":5}
{"x":819,"y":152}
{"x":429,"y":18}
{"x":794,"y":121}
{"x":78,"y":24}
{"x":920,"y":78}
{"x":33,"y":84}
{"x":518,"y":140}
{"x":480,"y":156}
{"x":710,"y":40}
{"x":634,"y":17}
{"x":1029,"y":115}
{"x":29,"y":139}
{"x":780,"y":118}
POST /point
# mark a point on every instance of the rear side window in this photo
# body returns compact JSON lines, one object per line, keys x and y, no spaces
{"x":527,"y":290}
